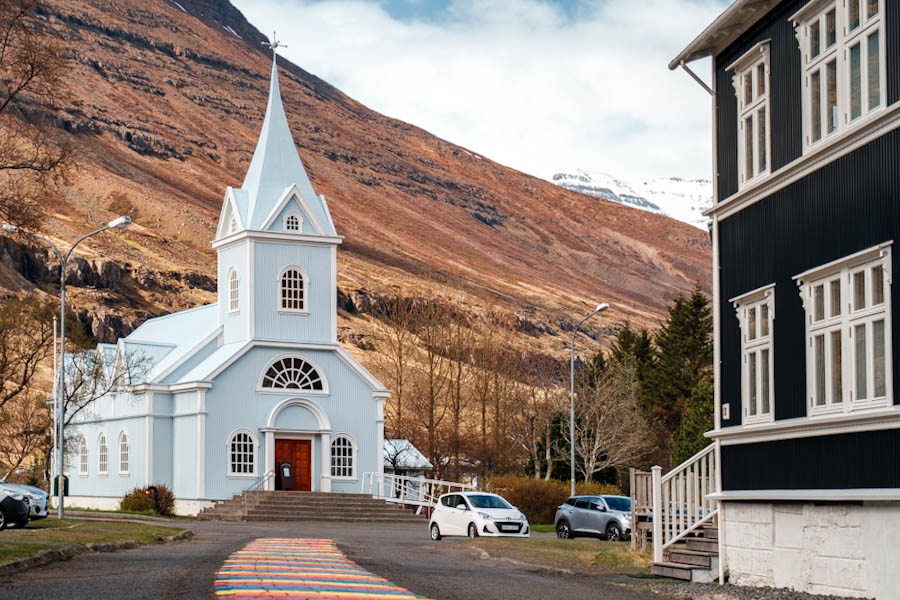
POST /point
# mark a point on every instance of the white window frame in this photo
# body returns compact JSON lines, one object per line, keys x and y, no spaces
{"x":83,"y":457}
{"x":839,"y":52}
{"x":304,"y":282}
{"x":287,"y":216}
{"x":124,"y":453}
{"x":254,"y":453}
{"x":233,"y":225}
{"x":102,"y":455}
{"x":234,"y":291}
{"x":750,"y":64}
{"x":261,"y":384}
{"x":342,"y":468}
{"x":842,"y":273}
{"x":755,"y":340}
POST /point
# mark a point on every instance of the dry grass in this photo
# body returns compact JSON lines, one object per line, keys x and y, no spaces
{"x":590,"y":556}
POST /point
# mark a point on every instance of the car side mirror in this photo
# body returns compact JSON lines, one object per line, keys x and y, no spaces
{"x":601,"y":508}
{"x":461,"y":507}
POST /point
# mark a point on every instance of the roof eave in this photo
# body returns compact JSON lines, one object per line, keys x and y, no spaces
{"x":736,"y":19}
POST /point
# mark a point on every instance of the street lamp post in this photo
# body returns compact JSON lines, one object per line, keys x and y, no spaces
{"x":118,"y":223}
{"x":600,"y":308}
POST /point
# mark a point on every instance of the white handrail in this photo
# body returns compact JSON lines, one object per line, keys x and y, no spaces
{"x":255,"y":487}
{"x":680,"y":499}
{"x":402,"y":489}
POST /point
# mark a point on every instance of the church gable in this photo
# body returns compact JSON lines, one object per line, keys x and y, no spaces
{"x":294,"y":215}
{"x":231,"y":218}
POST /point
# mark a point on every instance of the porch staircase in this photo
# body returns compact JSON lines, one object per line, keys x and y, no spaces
{"x":694,"y":559}
{"x":308,"y":506}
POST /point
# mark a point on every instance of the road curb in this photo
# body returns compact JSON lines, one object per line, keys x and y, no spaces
{"x":51,"y":556}
{"x":102,"y":516}
{"x":484,"y":555}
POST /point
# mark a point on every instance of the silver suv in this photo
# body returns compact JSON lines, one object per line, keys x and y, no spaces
{"x":595,"y":516}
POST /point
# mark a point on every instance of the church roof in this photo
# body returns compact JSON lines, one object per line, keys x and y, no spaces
{"x":167,"y":340}
{"x":275,"y":168}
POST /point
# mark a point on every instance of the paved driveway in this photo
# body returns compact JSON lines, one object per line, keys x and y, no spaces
{"x":402,"y":553}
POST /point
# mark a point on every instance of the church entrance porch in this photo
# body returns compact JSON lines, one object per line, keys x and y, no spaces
{"x":297,"y":454}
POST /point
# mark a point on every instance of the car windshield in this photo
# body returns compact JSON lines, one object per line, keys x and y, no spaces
{"x":485,"y":501}
{"x":620,"y":504}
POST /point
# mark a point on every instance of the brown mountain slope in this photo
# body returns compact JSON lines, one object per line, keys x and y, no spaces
{"x":166,"y":104}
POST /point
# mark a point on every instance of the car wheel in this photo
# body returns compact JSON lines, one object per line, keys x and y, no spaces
{"x":613,"y":532}
{"x":563,"y":531}
{"x":20,"y":524}
{"x":473,"y":531}
{"x":435,"y":532}
{"x":2,"y":519}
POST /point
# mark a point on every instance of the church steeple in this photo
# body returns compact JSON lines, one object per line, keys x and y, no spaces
{"x":276,"y":168}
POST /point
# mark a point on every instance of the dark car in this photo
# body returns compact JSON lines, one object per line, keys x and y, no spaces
{"x":595,"y":516}
{"x":13,"y":509}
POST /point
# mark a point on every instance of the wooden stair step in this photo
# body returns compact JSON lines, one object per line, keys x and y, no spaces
{"x":673,"y":570}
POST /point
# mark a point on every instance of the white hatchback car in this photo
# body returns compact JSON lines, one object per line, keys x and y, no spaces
{"x":474,"y":514}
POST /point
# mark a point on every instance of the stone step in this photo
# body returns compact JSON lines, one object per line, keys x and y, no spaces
{"x":320,"y":503}
{"x":337,"y":519}
{"x":331,"y":513}
{"x":693,"y":557}
{"x":672,"y":571}
{"x":702,"y":544}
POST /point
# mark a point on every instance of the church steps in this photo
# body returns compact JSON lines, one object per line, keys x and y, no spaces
{"x":307,"y":506}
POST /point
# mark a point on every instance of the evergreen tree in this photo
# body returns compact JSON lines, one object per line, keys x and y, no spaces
{"x":682,"y":358}
{"x":630,"y":345}
{"x":697,"y":420}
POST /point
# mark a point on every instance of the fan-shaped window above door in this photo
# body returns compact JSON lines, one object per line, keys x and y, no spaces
{"x":292,"y":373}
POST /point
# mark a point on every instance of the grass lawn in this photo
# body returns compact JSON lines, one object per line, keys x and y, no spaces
{"x":543,"y":528}
{"x":583,"y":555}
{"x":53,"y":534}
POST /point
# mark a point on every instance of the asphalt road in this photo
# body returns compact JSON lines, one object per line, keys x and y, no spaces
{"x":400,"y":552}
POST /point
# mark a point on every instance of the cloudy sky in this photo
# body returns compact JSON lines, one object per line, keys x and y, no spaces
{"x":539,"y":85}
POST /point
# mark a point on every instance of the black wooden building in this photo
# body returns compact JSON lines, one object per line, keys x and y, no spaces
{"x":806,"y":99}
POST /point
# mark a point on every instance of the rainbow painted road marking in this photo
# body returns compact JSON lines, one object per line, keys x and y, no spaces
{"x":300,"y":568}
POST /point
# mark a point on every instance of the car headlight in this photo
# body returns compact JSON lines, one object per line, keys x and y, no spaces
{"x":523,"y":518}
{"x":18,"y":497}
{"x":485,"y":516}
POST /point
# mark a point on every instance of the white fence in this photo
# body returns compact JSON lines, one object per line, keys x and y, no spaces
{"x":680,"y":503}
{"x":415,"y":491}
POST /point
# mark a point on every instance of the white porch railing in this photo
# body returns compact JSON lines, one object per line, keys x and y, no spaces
{"x":680,"y":503}
{"x":255,"y":488}
{"x":416,"y":491}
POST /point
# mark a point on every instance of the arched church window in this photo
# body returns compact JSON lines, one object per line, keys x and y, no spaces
{"x":292,"y":373}
{"x":293,"y":289}
{"x":342,"y":457}
{"x":241,"y":454}
{"x":234,"y":291}
{"x":82,"y":456}
{"x":292,"y":222}
{"x":102,"y":455}
{"x":123,"y":453}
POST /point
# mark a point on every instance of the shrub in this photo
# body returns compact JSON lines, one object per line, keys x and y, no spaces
{"x":141,"y":500}
{"x":137,"y":500}
{"x":538,"y":499}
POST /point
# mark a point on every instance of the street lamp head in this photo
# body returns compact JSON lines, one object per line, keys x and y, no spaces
{"x":601,"y":307}
{"x":10,"y":228}
{"x":120,"y":223}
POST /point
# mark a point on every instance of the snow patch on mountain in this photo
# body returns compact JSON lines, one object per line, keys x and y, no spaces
{"x":676,"y":197}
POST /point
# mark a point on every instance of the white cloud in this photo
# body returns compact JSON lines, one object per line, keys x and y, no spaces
{"x":519,"y":81}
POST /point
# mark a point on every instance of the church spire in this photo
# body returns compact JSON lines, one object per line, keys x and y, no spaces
{"x":276,"y":165}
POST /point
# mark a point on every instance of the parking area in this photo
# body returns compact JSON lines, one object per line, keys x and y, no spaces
{"x":401,"y":553}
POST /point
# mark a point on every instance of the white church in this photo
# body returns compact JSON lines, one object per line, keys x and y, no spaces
{"x":254,"y":381}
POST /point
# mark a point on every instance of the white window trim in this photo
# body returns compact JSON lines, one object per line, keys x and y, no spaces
{"x":749,"y":63}
{"x":230,"y":473}
{"x":284,"y":220}
{"x":291,"y":391}
{"x":801,"y":20}
{"x":127,"y":470}
{"x":842,"y":270}
{"x":233,"y":272}
{"x":742,"y":304}
{"x":105,"y":445}
{"x":305,"y":279}
{"x":353,"y":458}
{"x":83,"y":457}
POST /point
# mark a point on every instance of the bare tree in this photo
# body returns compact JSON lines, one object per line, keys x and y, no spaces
{"x":609,"y":430}
{"x":429,"y":403}
{"x":398,"y":318}
{"x":540,"y":398}
{"x":24,"y":430}
{"x":26,"y":341}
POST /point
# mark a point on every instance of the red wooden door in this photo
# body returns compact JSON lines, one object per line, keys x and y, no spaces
{"x":299,"y":454}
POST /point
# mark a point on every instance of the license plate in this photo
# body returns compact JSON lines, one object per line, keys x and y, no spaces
{"x":507,"y":528}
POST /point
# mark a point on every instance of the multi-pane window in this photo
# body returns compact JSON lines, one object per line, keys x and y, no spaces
{"x":102,"y":455}
{"x":123,"y":453}
{"x":292,"y":222}
{"x":241,"y":454}
{"x":342,"y":457}
{"x":292,"y":373}
{"x":848,"y":334}
{"x":234,"y":291}
{"x":756,"y":312}
{"x":842,"y":46}
{"x":82,"y":456}
{"x":293,"y":290}
{"x":751,"y":82}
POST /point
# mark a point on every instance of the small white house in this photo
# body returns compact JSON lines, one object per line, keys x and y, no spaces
{"x":250,"y":382}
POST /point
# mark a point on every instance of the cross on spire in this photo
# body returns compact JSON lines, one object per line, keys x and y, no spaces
{"x":274,"y":44}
